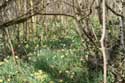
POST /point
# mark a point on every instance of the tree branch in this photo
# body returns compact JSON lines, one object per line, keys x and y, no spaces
{"x":113,"y":11}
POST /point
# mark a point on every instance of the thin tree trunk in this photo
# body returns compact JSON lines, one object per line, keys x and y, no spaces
{"x":11,"y":46}
{"x":33,"y":19}
{"x":122,"y":27}
{"x":103,"y":49}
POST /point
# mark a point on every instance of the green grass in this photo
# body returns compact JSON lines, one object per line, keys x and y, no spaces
{"x":62,"y":64}
{"x":50,"y":66}
{"x":58,"y":59}
{"x":21,"y":73}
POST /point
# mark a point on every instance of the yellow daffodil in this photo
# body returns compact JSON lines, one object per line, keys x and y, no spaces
{"x":67,"y":71}
{"x":1,"y":80}
{"x":62,"y":56}
{"x":60,"y":80}
{"x":71,"y":76}
{"x":1,"y":63}
{"x":51,"y":82}
{"x":8,"y":80}
{"x":6,"y":60}
{"x":16,"y":57}
{"x":60,"y":72}
{"x":40,"y":71}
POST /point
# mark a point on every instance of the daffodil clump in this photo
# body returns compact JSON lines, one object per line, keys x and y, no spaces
{"x":40,"y":75}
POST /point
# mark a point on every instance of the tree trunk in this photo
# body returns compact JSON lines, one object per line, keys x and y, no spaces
{"x":103,"y":49}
